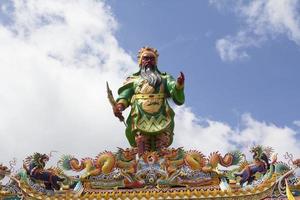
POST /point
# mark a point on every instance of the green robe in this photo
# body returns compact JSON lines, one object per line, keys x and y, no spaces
{"x":149,"y":115}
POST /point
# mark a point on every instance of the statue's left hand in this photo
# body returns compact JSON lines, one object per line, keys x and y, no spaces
{"x":180,"y":79}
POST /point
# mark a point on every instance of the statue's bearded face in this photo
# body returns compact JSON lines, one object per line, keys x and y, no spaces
{"x":148,"y":60}
{"x":148,"y":69}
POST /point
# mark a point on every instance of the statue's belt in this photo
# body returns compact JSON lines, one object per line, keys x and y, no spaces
{"x":148,"y":96}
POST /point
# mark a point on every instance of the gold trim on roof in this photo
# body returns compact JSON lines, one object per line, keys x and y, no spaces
{"x":261,"y":191}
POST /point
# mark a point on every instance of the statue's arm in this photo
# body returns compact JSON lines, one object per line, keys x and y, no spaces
{"x":125,"y":94}
{"x":123,"y":101}
{"x":176,"y":88}
{"x":125,"y":97}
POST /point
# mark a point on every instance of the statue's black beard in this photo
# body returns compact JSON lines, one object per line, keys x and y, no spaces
{"x":151,"y":75}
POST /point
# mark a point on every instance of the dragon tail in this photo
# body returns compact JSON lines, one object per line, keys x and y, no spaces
{"x":229,"y":159}
{"x":64,"y":162}
{"x":237,"y":157}
{"x":105,"y":161}
{"x":68,"y":162}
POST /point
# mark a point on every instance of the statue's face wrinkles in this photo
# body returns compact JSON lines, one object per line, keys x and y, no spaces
{"x":148,"y":60}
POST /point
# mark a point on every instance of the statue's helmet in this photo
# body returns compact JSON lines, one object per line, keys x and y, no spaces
{"x":148,"y":50}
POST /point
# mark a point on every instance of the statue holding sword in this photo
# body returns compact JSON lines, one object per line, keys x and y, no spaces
{"x":150,"y":124}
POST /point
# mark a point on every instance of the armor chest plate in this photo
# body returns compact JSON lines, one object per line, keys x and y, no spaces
{"x":149,"y":98}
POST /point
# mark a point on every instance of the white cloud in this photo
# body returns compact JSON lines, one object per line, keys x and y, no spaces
{"x":297,"y":122}
{"x":229,"y":47}
{"x":55,"y":58}
{"x":282,"y":139}
{"x":202,"y":134}
{"x":208,"y":135}
{"x":261,"y":20}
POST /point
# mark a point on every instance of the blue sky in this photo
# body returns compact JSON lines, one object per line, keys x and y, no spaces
{"x":240,"y":59}
{"x":185,"y":32}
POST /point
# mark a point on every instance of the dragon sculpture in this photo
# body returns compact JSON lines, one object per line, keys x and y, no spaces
{"x":168,"y":169}
{"x":123,"y":163}
{"x":195,"y":160}
{"x":35,"y":168}
{"x":261,"y":164}
{"x":105,"y":162}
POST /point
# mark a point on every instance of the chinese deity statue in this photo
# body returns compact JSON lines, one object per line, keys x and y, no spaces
{"x":150,"y":123}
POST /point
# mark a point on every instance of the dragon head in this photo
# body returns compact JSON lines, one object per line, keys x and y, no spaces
{"x":128,"y":153}
{"x":41,"y":159}
{"x":4,"y":171}
{"x":257,"y":151}
{"x":171,"y":153}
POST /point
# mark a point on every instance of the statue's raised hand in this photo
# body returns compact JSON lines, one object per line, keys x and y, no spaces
{"x":118,"y":108}
{"x":180,"y":80}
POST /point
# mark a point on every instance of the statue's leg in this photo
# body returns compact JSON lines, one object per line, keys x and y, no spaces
{"x":163,"y":140}
{"x":147,"y":141}
{"x":143,"y":143}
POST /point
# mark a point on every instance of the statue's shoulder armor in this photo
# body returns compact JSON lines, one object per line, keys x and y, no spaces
{"x":130,"y":79}
{"x":164,"y":74}
{"x":128,"y":83}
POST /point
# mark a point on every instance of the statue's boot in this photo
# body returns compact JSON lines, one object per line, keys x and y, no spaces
{"x":162,"y":141}
{"x":142,"y":143}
